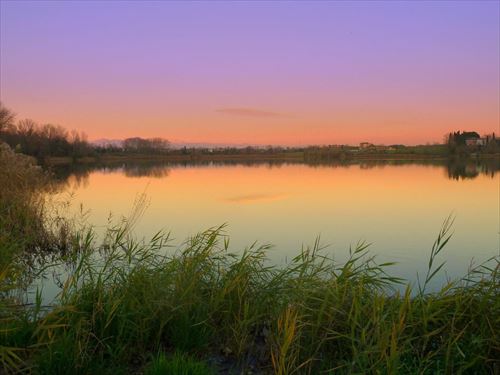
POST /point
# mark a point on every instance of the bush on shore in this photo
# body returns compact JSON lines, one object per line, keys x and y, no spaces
{"x":27,"y":222}
{"x":21,"y":202}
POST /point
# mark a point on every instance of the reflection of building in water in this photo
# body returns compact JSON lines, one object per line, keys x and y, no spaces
{"x":461,"y":169}
{"x":471,"y":170}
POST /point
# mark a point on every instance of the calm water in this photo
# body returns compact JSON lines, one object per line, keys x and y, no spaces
{"x":397,"y":208}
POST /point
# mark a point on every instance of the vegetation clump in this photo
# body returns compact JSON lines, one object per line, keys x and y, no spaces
{"x":125,"y":300}
{"x":21,"y":202}
{"x":177,"y":364}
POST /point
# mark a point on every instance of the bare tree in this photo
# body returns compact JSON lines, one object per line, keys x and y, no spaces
{"x":7,"y":118}
{"x":26,"y":127}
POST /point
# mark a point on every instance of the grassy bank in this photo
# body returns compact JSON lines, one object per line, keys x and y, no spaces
{"x":130,"y":309}
{"x":27,"y":223}
{"x":142,"y":307}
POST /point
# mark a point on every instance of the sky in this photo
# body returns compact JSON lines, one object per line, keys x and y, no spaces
{"x":262,"y":72}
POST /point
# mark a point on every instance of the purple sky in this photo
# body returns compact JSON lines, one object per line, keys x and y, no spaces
{"x":254,"y":72}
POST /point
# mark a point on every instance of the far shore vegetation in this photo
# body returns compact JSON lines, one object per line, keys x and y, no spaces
{"x":129,"y":306}
{"x":53,"y":144}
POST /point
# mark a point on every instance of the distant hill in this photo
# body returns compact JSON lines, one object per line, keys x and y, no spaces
{"x":175,"y":144}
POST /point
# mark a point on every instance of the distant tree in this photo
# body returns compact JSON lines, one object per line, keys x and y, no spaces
{"x":459,"y":138}
{"x":159,"y":144}
{"x":79,"y":145}
{"x":141,"y":145}
{"x":456,"y":141}
{"x":7,"y":118}
{"x":134,"y":144}
{"x":40,"y":141}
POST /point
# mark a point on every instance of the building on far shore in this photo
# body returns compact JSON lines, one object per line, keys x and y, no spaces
{"x":365,"y":145}
{"x":476,"y":141}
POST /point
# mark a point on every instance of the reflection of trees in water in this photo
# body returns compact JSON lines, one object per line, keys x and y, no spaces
{"x":454,"y":169}
{"x":224,"y":163}
{"x":77,"y":175}
{"x":70,"y":176}
{"x":368,"y":164}
{"x":153,"y":171}
{"x":471,"y":168}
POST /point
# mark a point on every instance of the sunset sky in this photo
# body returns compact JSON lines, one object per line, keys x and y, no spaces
{"x":285,"y":73}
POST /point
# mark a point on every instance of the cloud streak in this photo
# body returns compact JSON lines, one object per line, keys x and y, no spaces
{"x":249,"y":112}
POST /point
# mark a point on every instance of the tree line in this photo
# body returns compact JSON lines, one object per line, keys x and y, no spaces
{"x":44,"y":140}
{"x":466,"y":142}
{"x":41,"y":140}
{"x":48,"y":140}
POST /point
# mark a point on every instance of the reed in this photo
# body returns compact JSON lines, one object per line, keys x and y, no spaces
{"x":28,"y":223}
{"x":125,"y":300}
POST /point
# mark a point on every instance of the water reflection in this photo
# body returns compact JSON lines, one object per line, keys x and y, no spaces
{"x":76,"y":175}
{"x":467,"y":169}
{"x":396,"y":205}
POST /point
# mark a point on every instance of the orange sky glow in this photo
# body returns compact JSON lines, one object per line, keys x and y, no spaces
{"x":254,"y":73}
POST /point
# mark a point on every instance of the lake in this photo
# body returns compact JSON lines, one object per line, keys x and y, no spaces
{"x":397,"y":207}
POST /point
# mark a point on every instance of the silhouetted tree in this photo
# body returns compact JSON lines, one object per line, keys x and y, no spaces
{"x":41,"y":141}
{"x":141,"y":145}
{"x":7,"y":118}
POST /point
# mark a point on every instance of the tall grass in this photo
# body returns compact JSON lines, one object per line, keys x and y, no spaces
{"x":21,"y":204}
{"x":28,"y":229}
{"x":26,"y":221}
{"x":176,"y":364}
{"x":128,"y":299}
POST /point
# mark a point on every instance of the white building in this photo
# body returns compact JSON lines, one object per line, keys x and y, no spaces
{"x":475,"y":142}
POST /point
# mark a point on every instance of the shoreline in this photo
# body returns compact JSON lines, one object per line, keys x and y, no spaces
{"x":294,"y":156}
